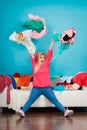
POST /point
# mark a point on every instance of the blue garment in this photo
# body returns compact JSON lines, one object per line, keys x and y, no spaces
{"x":59,"y":88}
{"x":48,"y":93}
{"x":13,"y":81}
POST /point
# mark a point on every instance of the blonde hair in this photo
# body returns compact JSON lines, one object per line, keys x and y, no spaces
{"x":39,"y":54}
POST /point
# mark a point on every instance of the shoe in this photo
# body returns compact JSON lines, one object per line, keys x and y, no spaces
{"x":20,"y":113}
{"x":68,"y":113}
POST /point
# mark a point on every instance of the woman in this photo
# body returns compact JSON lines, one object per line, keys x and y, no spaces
{"x":42,"y":83}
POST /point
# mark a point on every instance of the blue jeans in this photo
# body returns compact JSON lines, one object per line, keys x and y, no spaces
{"x":48,"y":93}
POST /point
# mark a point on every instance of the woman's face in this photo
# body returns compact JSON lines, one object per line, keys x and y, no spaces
{"x":41,"y":59}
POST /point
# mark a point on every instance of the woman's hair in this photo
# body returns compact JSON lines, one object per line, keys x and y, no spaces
{"x":39,"y":54}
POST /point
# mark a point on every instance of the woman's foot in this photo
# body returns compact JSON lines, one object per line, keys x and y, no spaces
{"x":20,"y":113}
{"x":68,"y":113}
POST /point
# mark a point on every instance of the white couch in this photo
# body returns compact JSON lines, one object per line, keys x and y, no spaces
{"x":69,"y":98}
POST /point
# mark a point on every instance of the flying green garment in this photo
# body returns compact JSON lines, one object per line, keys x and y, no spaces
{"x":63,"y":47}
{"x":56,"y":36}
{"x":35,"y":25}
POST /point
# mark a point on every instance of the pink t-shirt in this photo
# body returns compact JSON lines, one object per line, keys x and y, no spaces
{"x":41,"y":78}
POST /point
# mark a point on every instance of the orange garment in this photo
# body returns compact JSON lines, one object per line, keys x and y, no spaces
{"x":68,"y":86}
{"x":24,"y":80}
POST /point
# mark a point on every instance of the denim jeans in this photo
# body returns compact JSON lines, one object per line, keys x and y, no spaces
{"x":48,"y":93}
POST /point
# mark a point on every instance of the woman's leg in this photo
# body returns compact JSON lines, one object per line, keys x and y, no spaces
{"x":35,"y":93}
{"x":48,"y":92}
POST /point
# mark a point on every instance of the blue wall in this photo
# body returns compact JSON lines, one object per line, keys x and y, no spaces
{"x":59,"y":15}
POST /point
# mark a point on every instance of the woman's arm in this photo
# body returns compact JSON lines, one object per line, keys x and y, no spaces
{"x":51,"y":45}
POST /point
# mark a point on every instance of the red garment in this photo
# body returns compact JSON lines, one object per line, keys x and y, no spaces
{"x":16,"y":75}
{"x":42,"y":77}
{"x":62,"y":83}
{"x":5,"y":81}
{"x":80,"y":78}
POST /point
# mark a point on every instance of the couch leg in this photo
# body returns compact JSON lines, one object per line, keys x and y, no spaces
{"x":0,"y":110}
{"x":66,"y":107}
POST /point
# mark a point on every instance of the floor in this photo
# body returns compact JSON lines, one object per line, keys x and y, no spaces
{"x":43,"y":120}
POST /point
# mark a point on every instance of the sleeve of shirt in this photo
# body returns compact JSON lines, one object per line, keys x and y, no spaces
{"x":28,"y":43}
{"x":49,"y":55}
{"x":33,"y":59}
{"x":13,"y":37}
